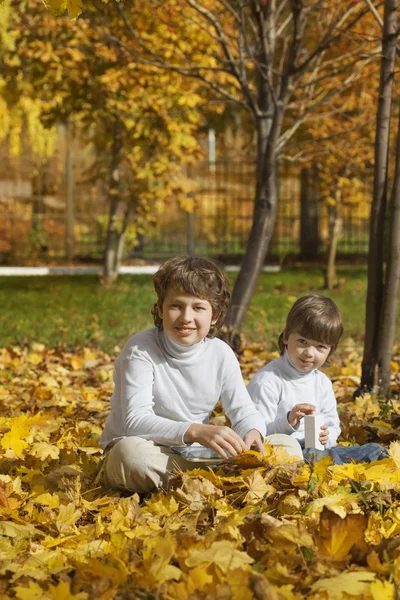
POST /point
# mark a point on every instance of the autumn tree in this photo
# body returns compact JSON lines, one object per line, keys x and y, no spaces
{"x":139,"y":124}
{"x":338,"y":148}
{"x":20,"y":108}
{"x":383,"y":283}
{"x":274,"y":60}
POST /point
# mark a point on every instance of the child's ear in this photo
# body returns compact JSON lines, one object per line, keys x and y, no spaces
{"x":215,"y":319}
{"x":284,"y":338}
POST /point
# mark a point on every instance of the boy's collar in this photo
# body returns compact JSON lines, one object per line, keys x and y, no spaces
{"x":292,"y":370}
{"x":180,"y":350}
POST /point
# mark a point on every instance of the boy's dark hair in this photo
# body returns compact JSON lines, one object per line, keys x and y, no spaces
{"x":316,"y":317}
{"x":200,"y":277}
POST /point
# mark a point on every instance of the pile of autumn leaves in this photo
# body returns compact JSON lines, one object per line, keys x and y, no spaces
{"x":263,"y":528}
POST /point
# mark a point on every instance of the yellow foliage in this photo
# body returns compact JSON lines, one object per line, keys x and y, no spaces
{"x":266,"y":526}
{"x":339,"y":535}
{"x":354,"y":584}
{"x":382,"y":590}
{"x":221,"y":554}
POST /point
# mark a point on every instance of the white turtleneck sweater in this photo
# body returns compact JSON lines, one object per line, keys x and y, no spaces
{"x":161,"y":388}
{"x":278,"y":386}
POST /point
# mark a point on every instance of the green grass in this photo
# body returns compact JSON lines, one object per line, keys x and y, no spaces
{"x":78,"y":311}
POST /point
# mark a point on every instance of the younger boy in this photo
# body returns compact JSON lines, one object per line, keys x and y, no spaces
{"x":291,"y":386}
{"x":168,"y":380}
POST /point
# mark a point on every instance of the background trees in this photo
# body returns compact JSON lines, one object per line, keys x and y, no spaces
{"x":287,"y":65}
{"x":275,"y":61}
{"x":140,"y":125}
{"x":383,"y":283}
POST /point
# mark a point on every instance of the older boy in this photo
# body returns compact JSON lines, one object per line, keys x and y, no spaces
{"x":169,"y":379}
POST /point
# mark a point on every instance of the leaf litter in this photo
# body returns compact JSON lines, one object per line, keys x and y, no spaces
{"x":256,"y":528}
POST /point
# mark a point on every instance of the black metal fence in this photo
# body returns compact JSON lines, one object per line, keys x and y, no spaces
{"x":33,"y":226}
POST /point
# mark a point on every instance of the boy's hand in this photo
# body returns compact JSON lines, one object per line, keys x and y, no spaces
{"x":324,"y":435}
{"x":298,"y":411}
{"x":220,"y":439}
{"x":253,"y":440}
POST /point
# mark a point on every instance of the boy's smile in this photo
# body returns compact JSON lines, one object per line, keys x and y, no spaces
{"x":306,"y":354}
{"x":186,"y":319}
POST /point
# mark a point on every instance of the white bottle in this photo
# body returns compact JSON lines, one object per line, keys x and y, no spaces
{"x":312,"y":430}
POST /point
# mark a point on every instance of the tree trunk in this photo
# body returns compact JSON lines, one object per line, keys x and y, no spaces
{"x":330,"y":270}
{"x":110,"y":258}
{"x":392,"y":279}
{"x":265,"y":207}
{"x":69,"y":194}
{"x":121,"y":239}
{"x":378,"y":208}
{"x":309,"y":226}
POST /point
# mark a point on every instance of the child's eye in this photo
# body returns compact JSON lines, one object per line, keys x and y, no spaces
{"x":302,"y":341}
{"x":322,"y":347}
{"x":199,"y":308}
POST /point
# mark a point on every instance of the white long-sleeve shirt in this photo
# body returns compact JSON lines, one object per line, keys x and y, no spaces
{"x":278,"y":386}
{"x":161,"y":388}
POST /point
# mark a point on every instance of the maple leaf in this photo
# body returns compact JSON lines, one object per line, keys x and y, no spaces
{"x":257,"y":487}
{"x":15,"y":439}
{"x":223,"y":554}
{"x":339,"y":503}
{"x":43,"y":450}
{"x":107,"y":567}
{"x":62,"y":591}
{"x":32,"y":592}
{"x":353,"y":583}
{"x":67,"y":517}
{"x":160,"y":505}
{"x":18,"y":531}
{"x":157,"y":554}
{"x":197,"y":579}
{"x":382,"y":590}
{"x":337,"y":536}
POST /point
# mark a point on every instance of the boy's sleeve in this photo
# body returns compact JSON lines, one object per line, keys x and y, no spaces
{"x":264,"y":390}
{"x":136,"y":397}
{"x":329,"y":410}
{"x":237,"y":403}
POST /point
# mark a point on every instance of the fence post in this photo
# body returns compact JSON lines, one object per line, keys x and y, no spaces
{"x":211,"y":150}
{"x":69,"y":195}
{"x":190,"y":233}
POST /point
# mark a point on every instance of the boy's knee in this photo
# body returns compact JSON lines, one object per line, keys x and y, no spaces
{"x":131,"y":465}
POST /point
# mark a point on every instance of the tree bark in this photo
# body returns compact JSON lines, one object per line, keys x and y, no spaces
{"x":330,"y":270}
{"x":121,"y":239}
{"x":265,"y":207}
{"x":110,"y":258}
{"x":392,"y":279}
{"x":69,"y":194}
{"x":378,"y":207}
{"x":309,"y":225}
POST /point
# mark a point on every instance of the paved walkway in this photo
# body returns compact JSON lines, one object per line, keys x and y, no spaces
{"x":127,"y":270}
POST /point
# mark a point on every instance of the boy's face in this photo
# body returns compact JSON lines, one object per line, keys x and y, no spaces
{"x":304,"y":353}
{"x":186,"y":319}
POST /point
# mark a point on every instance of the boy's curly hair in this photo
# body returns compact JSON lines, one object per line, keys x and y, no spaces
{"x":316,"y":317}
{"x":200,"y":277}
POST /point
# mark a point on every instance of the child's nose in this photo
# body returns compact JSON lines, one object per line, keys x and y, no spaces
{"x":187,"y":314}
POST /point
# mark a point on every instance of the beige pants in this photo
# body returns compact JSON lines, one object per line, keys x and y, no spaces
{"x":140,"y":465}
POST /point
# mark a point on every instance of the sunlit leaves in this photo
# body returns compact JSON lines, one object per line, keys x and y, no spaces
{"x":257,"y":527}
{"x":59,"y":7}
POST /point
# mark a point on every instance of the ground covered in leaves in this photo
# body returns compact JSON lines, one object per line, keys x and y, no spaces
{"x":263,"y":528}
